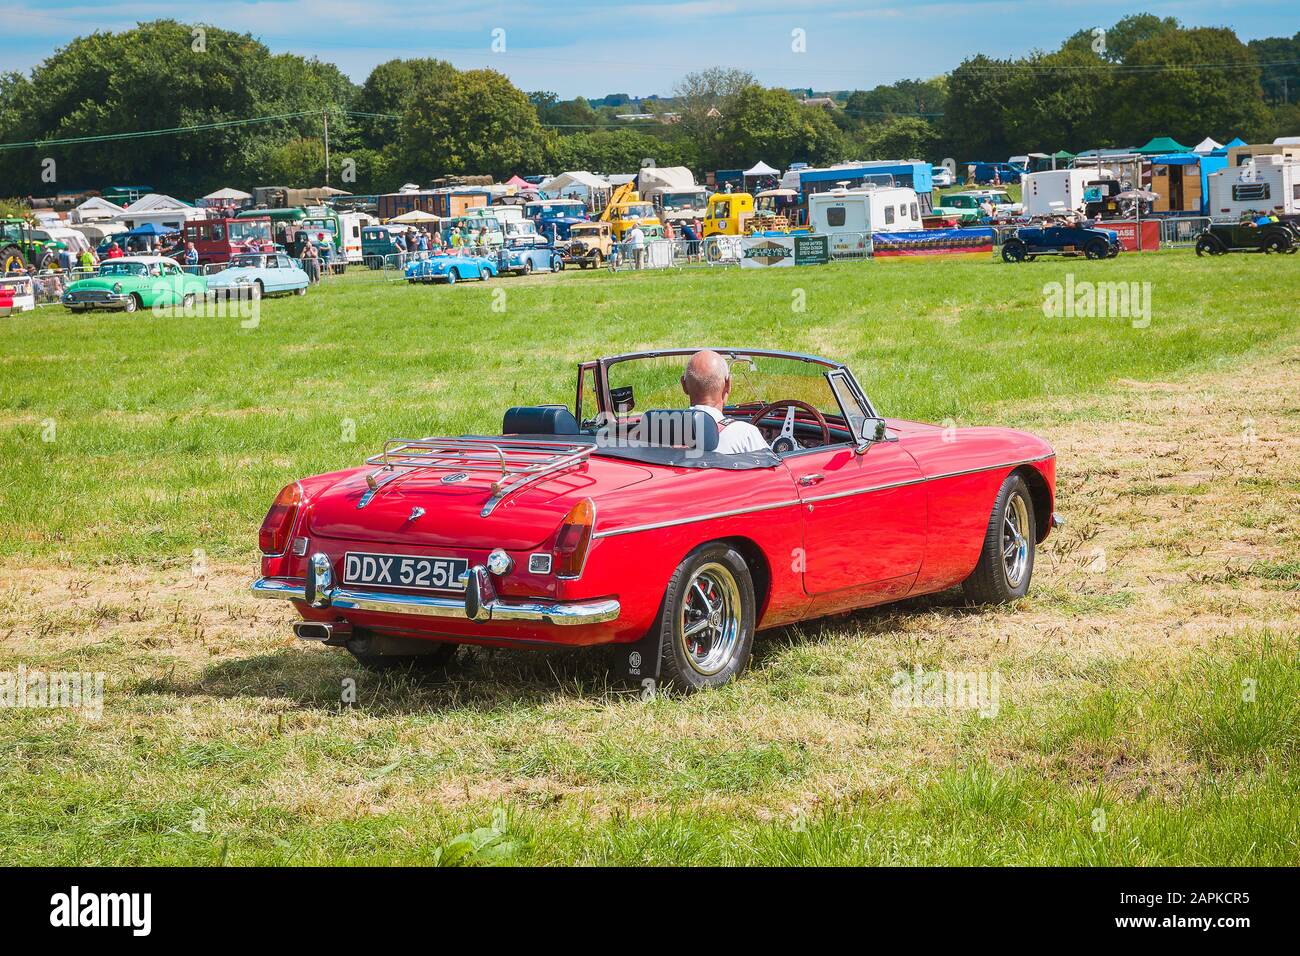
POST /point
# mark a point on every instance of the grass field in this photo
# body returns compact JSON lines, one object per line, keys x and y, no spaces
{"x":1149,"y":690}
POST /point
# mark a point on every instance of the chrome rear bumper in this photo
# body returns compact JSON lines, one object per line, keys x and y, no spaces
{"x":479,"y":604}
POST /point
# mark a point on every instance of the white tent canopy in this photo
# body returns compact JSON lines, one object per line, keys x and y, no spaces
{"x":96,"y":208}
{"x":762,"y":169}
{"x":1206,"y":145}
{"x":233,"y":195}
{"x":581,"y":179}
{"x":413,"y":217}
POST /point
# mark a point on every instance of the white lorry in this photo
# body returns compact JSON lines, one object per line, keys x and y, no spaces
{"x":1266,"y":184}
{"x":1056,"y":191}
{"x":847,"y":215}
{"x":673,"y":191}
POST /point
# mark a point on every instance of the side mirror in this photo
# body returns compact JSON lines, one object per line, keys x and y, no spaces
{"x":873,"y":430}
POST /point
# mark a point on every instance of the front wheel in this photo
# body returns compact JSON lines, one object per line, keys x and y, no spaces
{"x":1013,"y":251}
{"x":1006,"y":561}
{"x":131,"y":304}
{"x":451,"y":277}
{"x":1096,"y":249}
{"x":706,"y":623}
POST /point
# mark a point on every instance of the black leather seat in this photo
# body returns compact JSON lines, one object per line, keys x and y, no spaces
{"x":677,"y":428}
{"x":539,"y":420}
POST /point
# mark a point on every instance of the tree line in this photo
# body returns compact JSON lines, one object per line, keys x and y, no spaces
{"x":413,"y":120}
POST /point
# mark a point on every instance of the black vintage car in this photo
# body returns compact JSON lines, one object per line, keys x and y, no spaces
{"x":1225,"y":237}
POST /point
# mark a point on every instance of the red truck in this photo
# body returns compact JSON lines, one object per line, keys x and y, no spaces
{"x":217,"y":240}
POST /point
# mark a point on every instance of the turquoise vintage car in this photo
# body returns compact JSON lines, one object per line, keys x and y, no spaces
{"x":134,"y":282}
{"x":255,"y":274}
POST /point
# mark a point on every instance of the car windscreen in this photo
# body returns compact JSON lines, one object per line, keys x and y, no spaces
{"x":123,"y":269}
{"x":636,"y":385}
{"x":247,"y":262}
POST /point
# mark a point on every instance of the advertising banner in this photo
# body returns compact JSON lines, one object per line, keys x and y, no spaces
{"x":1128,"y":234}
{"x":929,"y":242}
{"x":767,"y":252}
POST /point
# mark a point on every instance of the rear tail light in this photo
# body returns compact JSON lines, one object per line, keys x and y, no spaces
{"x":273,"y":538}
{"x":574,"y":539}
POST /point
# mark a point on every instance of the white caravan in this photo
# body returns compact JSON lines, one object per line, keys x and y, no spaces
{"x":1055,"y":191}
{"x":1269,"y":184}
{"x":845,"y":214}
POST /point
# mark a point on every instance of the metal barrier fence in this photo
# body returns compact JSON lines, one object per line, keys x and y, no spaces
{"x":656,"y":254}
{"x":1182,"y":231}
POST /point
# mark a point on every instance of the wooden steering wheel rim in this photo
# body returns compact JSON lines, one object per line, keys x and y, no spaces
{"x":783,"y":402}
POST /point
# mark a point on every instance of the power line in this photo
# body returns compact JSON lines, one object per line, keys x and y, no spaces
{"x":142,"y":134}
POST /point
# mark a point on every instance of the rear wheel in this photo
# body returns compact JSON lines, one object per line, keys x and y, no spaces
{"x":259,"y":289}
{"x":706,"y":623}
{"x":301,"y":290}
{"x":1278,"y":244}
{"x":1006,"y":562}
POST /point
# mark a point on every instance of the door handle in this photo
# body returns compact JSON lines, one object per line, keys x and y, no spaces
{"x":812,"y":479}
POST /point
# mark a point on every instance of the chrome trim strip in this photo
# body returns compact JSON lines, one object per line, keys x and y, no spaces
{"x":839,"y":494}
{"x":676,"y":521}
{"x":542,"y":612}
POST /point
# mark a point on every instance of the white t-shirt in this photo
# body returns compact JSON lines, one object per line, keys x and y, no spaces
{"x":636,"y":238}
{"x":736,"y":436}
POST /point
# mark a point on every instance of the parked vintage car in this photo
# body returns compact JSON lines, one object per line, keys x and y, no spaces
{"x":524,"y":257}
{"x":619,"y":523}
{"x":1029,"y":242}
{"x":17,"y":294}
{"x":1271,"y":236}
{"x":257,"y":274}
{"x":590,"y":244}
{"x":450,"y":268}
{"x":134,"y":282}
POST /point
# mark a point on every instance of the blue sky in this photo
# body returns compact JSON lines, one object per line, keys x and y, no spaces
{"x":639,"y":47}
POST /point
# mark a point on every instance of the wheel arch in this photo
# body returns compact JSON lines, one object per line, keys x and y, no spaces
{"x":1040,"y":495}
{"x":760,"y":569}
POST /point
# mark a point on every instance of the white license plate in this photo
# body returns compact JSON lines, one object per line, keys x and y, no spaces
{"x":405,"y":571}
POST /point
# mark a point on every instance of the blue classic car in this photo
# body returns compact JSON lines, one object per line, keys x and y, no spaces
{"x":1030,"y":242}
{"x":260,"y":273}
{"x":450,"y":268}
{"x":524,"y":257}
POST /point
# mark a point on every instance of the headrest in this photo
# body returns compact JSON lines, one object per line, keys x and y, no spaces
{"x":677,"y":428}
{"x":539,"y":420}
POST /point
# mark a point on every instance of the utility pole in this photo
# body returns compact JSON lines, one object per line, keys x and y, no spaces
{"x":326,"y":114}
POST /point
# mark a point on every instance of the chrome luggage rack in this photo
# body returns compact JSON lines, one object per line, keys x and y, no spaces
{"x":515,"y":461}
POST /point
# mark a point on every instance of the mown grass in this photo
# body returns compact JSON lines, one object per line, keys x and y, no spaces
{"x":147,"y":437}
{"x":1124,"y":736}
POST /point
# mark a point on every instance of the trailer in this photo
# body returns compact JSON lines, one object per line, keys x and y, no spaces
{"x":1270,"y":185}
{"x":848,"y":215}
{"x":1056,"y":191}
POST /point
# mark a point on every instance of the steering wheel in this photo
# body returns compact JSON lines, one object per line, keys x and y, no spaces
{"x":785,"y":441}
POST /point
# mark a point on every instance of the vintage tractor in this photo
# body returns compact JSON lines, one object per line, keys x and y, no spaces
{"x":18,"y":248}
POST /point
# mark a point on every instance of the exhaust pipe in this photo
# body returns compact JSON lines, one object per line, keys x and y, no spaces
{"x":337,"y":633}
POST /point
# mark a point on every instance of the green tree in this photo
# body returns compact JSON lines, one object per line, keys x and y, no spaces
{"x":1171,"y":94}
{"x":1114,"y":43}
{"x":1062,"y":100}
{"x":981,"y":94}
{"x":899,"y":137}
{"x":385,"y":92}
{"x":771,"y":125}
{"x":618,"y":151}
{"x":161,"y":75}
{"x":475,"y":121}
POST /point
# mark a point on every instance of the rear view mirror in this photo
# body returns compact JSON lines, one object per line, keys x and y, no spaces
{"x":873,"y":430}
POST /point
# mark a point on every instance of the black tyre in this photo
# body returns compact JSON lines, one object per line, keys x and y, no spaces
{"x":259,"y":289}
{"x":557,"y":264}
{"x":1096,"y":249}
{"x":1013,"y":250}
{"x":1209,"y":246}
{"x":131,"y":304}
{"x":424,"y":655}
{"x":528,"y":267}
{"x":301,"y":290}
{"x":188,"y":300}
{"x":1006,"y":562}
{"x":1277,"y":244}
{"x":596,"y":260}
{"x":451,"y":277}
{"x":706,"y":622}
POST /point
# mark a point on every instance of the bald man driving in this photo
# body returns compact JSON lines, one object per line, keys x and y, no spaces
{"x":707,"y":383}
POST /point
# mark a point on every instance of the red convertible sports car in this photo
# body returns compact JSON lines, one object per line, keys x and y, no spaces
{"x":619,"y":523}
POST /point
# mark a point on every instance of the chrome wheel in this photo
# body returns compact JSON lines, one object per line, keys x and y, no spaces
{"x":710,"y":622}
{"x":1015,"y":546}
